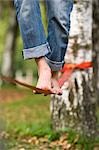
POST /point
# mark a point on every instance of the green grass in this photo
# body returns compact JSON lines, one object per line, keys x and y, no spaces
{"x":30,"y":116}
{"x":27,"y":116}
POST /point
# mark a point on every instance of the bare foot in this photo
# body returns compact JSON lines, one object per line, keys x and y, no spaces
{"x":47,"y":79}
{"x":44,"y":71}
{"x":55,"y":84}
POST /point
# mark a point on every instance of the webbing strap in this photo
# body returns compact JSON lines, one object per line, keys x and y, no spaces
{"x":69,"y":68}
{"x":33,"y":88}
{"x":66,"y":73}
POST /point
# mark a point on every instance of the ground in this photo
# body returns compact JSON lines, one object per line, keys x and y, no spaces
{"x":25,"y":124}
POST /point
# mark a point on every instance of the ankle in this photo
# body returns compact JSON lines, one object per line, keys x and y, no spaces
{"x":42,"y":64}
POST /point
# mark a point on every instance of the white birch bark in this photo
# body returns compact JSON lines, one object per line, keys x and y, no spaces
{"x":76,"y":107}
{"x":9,"y":49}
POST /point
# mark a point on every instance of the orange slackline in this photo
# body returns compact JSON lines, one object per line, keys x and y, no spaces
{"x":83,"y":65}
{"x":69,"y":68}
{"x":66,"y":73}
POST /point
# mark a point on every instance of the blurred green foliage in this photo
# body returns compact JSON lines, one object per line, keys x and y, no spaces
{"x":3,"y":29}
{"x":19,"y":63}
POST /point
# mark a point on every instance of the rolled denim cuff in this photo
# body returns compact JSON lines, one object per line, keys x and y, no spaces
{"x":36,"y":52}
{"x":55,"y":66}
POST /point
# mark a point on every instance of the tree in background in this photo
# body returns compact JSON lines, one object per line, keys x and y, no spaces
{"x":12,"y":60}
{"x":9,"y":49}
{"x":76,"y":107}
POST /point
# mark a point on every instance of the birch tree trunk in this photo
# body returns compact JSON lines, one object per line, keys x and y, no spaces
{"x":9,"y":50}
{"x":76,"y":107}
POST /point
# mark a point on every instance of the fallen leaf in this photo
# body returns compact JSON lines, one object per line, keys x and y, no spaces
{"x":43,"y":140}
{"x":63,"y":138}
{"x":22,"y":149}
{"x":32,"y":140}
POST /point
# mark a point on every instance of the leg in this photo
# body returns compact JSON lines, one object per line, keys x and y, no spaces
{"x":31,"y":28}
{"x":58,"y":31}
{"x":34,"y":39}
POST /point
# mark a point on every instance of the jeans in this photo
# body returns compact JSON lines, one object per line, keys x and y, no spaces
{"x":35,"y":42}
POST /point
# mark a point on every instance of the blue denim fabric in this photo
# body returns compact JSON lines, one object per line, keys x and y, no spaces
{"x":35,"y":42}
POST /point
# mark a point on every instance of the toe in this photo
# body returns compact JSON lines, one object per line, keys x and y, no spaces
{"x":34,"y":91}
